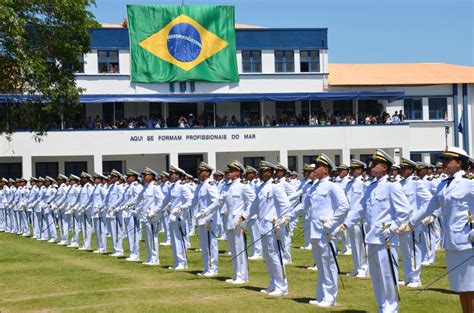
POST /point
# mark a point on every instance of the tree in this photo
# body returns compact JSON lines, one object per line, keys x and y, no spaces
{"x":41,"y":42}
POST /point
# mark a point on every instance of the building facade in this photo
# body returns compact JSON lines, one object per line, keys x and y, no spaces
{"x":289,"y":105}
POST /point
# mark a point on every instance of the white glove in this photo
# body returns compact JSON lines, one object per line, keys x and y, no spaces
{"x":283,"y":221}
{"x":176,"y":211}
{"x":339,"y":229}
{"x":428,"y":220}
{"x":471,"y":235}
{"x":240,"y":221}
{"x":326,"y":225}
{"x":200,"y":215}
{"x":389,"y":232}
{"x":151,"y":213}
{"x":404,"y":228}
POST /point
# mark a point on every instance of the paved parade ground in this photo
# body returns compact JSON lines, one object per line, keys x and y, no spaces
{"x":38,"y":276}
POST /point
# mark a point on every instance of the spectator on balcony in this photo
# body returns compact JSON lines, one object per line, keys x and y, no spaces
{"x":395,"y":118}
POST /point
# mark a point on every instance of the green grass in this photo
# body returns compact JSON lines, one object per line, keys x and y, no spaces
{"x":38,"y":276}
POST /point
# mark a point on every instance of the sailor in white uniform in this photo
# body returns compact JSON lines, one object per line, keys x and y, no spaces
{"x":455,"y":197}
{"x":252,"y":224}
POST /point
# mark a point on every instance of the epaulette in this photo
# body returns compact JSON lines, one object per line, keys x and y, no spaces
{"x":429,"y":178}
{"x":468,"y":176}
{"x":276,"y":181}
{"x":211,"y":183}
{"x":364,"y":179}
{"x":416,"y":178}
{"x":244,"y":181}
{"x":183,"y":183}
{"x":287,"y":180}
{"x":392,"y":179}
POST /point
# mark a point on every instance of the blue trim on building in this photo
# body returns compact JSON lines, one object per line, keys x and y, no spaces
{"x":455,"y":115}
{"x":225,"y":97}
{"x":246,"y":39}
{"x":465,"y":120}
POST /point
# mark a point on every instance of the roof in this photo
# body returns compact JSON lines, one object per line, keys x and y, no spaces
{"x":125,"y":22}
{"x":399,"y":74}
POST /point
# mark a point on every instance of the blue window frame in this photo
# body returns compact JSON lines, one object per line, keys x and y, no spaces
{"x":413,"y":108}
{"x":284,"y":61}
{"x":309,"y":61}
{"x":108,"y":61}
{"x":251,"y":61}
{"x":437,"y":108}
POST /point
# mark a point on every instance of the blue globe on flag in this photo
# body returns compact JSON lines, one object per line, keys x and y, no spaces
{"x":184,"y":42}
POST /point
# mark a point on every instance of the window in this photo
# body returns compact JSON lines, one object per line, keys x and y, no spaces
{"x":415,"y":156}
{"x":47,"y":169}
{"x":292,"y":163}
{"x":251,"y":61}
{"x":112,"y":112}
{"x":437,"y":108}
{"x":284,"y":61}
{"x":249,"y":112}
{"x":253,"y":161}
{"x":365,"y":158}
{"x":285,"y":109}
{"x":343,"y":107}
{"x":182,"y":86}
{"x":108,"y":166}
{"x":108,"y":61}
{"x":434,"y":157}
{"x":337,"y":159}
{"x":10,"y":170}
{"x":80,"y":68}
{"x":75,"y":168}
{"x":413,"y":108}
{"x":309,"y":61}
{"x":312,"y":107}
{"x":154,"y":109}
{"x":308,"y":159}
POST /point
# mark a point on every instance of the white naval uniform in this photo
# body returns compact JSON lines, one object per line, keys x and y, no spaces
{"x":355,"y":190}
{"x":271,"y":203}
{"x":114,"y":216}
{"x":60,"y":209}
{"x":418,"y":196}
{"x":455,"y":197}
{"x":72,"y":211}
{"x":6,"y":203}
{"x":23,"y":193}
{"x":428,"y":232}
{"x":253,"y":228}
{"x":300,"y":195}
{"x":165,"y":216}
{"x":3,"y":212}
{"x":130,"y":219}
{"x":287,"y":232}
{"x":384,"y":203}
{"x":205,"y":194}
{"x":148,"y":207}
{"x":237,"y":197}
{"x":84,"y":220}
{"x":327,"y":205}
{"x":97,"y":213}
{"x":179,"y":196}
{"x":49,"y":225}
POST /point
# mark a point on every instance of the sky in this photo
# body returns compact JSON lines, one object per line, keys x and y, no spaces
{"x":359,"y":31}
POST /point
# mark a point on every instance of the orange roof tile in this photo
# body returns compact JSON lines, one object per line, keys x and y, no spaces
{"x":399,"y":74}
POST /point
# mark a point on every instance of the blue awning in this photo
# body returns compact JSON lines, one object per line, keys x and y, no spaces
{"x":229,"y":97}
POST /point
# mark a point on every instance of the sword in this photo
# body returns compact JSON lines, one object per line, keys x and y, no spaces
{"x":280,"y":257}
{"x":414,"y":250}
{"x":253,"y":243}
{"x":209,"y":246}
{"x":469,"y":220}
{"x":392,"y":271}
{"x":182,"y":236}
{"x":363,"y":239}
{"x":334,"y":255}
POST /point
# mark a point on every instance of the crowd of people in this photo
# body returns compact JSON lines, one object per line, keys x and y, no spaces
{"x":376,"y":210}
{"x":207,"y":120}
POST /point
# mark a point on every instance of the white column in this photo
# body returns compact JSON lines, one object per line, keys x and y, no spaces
{"x":26,"y":166}
{"x":299,"y":161}
{"x":98,"y":163}
{"x":346,"y":156}
{"x":425,"y":109}
{"x":284,"y":157}
{"x":211,"y":159}
{"x":174,"y":159}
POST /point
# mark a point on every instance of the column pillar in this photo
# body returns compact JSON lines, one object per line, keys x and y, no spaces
{"x":26,"y":166}
{"x":284,"y":157}
{"x":174,"y":159}
{"x":212,"y":159}
{"x":98,"y":163}
{"x":346,"y":156}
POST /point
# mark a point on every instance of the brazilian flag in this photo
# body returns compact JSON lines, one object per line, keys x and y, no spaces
{"x":182,"y":43}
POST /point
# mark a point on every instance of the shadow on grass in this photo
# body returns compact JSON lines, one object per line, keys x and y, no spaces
{"x":440,"y":290}
{"x":252,"y":288}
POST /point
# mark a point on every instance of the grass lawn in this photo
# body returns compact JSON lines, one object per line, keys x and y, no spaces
{"x":39,"y":276}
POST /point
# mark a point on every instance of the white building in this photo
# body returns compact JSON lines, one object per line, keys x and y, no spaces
{"x":284,"y":74}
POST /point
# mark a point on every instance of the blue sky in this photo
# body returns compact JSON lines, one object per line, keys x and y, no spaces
{"x":360,"y":31}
